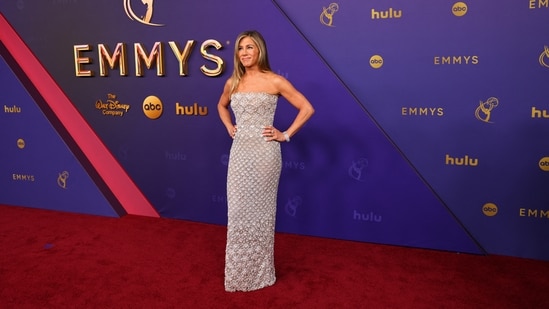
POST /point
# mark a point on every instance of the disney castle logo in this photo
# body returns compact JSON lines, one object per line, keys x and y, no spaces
{"x":145,"y":19}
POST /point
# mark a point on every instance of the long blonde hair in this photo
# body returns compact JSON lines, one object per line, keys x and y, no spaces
{"x":263,"y":64}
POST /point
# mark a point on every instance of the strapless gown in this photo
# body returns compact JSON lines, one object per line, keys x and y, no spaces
{"x":252,"y":186}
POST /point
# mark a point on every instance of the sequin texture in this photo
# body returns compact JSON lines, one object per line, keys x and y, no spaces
{"x":252,"y":186}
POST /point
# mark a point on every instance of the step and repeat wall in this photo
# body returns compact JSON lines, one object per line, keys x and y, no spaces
{"x":431,"y":127}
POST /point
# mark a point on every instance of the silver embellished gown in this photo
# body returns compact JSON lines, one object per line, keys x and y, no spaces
{"x":252,"y":186}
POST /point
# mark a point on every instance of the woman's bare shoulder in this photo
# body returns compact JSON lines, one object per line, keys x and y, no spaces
{"x":276,"y":79}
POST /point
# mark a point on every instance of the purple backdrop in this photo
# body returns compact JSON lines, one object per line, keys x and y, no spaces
{"x":397,"y":154}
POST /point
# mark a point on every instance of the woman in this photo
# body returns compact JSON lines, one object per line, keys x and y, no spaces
{"x":255,"y":161}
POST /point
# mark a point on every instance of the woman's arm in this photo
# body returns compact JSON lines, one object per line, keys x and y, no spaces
{"x":298,"y":100}
{"x":223,"y":109}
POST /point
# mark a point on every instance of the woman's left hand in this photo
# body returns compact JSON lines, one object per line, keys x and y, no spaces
{"x":270,"y":133}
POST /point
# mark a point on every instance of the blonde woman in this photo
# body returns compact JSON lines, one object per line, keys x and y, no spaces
{"x":255,"y":161}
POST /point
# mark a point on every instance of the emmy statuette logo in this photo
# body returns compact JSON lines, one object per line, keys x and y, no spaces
{"x":145,"y":19}
{"x":484,"y":110}
{"x":327,"y":15}
{"x":358,"y":168}
{"x":544,"y":57}
{"x":62,"y":179}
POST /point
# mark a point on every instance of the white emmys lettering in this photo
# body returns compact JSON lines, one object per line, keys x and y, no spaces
{"x":538,"y":4}
{"x":422,"y":111}
{"x":534,"y":213}
{"x":108,"y":60}
{"x":438,"y":60}
{"x":23,"y":177}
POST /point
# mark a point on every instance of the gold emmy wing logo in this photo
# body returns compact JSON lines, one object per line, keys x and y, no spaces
{"x":484,"y":110}
{"x":146,"y":20}
{"x":62,"y":179}
{"x":544,"y":57}
{"x":327,"y":15}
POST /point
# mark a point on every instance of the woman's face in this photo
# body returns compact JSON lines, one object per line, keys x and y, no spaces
{"x":248,"y":52}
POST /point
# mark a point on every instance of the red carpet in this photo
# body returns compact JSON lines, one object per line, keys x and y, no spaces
{"x":53,"y":259}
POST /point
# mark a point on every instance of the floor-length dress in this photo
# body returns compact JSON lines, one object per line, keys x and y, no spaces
{"x":252,"y":186}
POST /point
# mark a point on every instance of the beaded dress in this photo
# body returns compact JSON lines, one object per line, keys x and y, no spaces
{"x":252,"y":186}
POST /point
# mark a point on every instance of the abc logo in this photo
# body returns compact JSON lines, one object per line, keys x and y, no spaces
{"x":544,"y":164}
{"x":376,"y":61}
{"x":459,"y":9}
{"x":20,"y":143}
{"x":490,"y":209}
{"x":152,"y":107}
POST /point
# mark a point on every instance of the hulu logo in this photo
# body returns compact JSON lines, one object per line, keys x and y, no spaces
{"x":465,"y":161}
{"x":390,"y":13}
{"x":536,"y":113}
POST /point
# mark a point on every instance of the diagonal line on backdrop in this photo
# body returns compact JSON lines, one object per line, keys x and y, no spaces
{"x":107,"y":167}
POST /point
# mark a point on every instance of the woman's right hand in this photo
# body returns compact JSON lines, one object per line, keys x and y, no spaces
{"x":232,"y":131}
